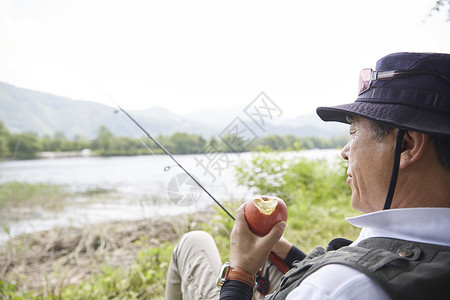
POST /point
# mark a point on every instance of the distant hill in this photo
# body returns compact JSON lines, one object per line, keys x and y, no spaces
{"x":45,"y":114}
{"x":304,"y":125}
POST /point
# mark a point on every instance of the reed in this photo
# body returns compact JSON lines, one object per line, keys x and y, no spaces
{"x":48,"y":196}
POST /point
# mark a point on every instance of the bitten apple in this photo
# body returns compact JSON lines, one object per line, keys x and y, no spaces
{"x":263,"y":212}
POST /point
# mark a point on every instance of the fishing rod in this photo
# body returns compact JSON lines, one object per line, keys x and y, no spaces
{"x":173,"y":158}
{"x":161,"y":147}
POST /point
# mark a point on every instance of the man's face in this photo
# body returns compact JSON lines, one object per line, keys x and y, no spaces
{"x":369,"y":166}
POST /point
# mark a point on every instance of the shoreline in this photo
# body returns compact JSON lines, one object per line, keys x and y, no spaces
{"x":63,"y":256}
{"x":65,"y":154}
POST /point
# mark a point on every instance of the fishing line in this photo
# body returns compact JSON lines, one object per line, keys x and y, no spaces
{"x":167,"y":168}
{"x":163,"y":149}
{"x":137,"y":137}
{"x":17,"y":146}
{"x":173,"y":158}
{"x":117,"y":111}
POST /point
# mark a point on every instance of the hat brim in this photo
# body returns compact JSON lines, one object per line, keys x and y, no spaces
{"x":407,"y":117}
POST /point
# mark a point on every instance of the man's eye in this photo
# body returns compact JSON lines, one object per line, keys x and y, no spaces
{"x":352,"y":132}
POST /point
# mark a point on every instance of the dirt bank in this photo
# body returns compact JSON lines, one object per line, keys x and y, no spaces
{"x":54,"y":258}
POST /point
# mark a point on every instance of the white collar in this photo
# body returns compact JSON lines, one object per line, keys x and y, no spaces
{"x":425,"y":224}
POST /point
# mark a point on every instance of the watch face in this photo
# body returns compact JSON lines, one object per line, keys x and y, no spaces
{"x":221,"y":278}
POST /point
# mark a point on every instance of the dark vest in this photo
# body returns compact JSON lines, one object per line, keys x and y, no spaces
{"x":403,"y":269}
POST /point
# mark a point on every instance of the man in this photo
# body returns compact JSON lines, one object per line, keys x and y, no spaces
{"x":399,"y":174}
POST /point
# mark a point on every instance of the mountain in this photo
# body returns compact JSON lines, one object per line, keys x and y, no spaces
{"x":309,"y":125}
{"x":303,"y":125}
{"x":45,"y":114}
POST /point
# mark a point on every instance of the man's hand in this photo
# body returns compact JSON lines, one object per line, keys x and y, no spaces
{"x":282,"y":247}
{"x":248,"y":251}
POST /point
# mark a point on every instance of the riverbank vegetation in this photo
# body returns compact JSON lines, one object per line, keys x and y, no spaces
{"x":28,"y":145}
{"x":20,"y":195}
{"x":129,"y":260}
{"x":23,"y":200}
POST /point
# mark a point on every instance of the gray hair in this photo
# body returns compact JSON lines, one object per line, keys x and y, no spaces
{"x":382,"y":129}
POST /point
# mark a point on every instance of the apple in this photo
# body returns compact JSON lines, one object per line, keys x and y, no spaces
{"x":263,"y":212}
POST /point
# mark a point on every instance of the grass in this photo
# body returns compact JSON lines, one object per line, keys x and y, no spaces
{"x":143,"y":280}
{"x":18,"y":194}
{"x":317,"y":198}
{"x":95,"y":191}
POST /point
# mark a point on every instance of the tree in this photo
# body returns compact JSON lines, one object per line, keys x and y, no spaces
{"x":183,"y":143}
{"x":4,"y":137}
{"x":439,"y":5}
{"x":24,"y":145}
{"x":81,"y":142}
{"x":60,"y":143}
{"x":274,"y":141}
{"x":104,"y":140}
{"x":235,"y":143}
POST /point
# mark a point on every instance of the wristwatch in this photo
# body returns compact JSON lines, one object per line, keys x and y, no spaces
{"x":229,"y":273}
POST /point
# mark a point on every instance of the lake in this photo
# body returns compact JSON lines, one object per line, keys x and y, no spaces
{"x":141,"y":187}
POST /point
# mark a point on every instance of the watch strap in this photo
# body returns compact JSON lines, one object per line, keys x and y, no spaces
{"x":240,"y":275}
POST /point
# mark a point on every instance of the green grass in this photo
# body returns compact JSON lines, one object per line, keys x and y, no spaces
{"x":318,"y":201}
{"x":95,"y":191}
{"x":22,"y":194}
{"x":143,"y":280}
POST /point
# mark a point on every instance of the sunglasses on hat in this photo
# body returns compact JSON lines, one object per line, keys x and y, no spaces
{"x":368,"y":76}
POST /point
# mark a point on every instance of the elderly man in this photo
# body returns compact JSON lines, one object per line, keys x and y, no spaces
{"x":399,"y":174}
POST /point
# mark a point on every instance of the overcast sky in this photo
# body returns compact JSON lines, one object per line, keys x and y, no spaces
{"x":190,"y":55}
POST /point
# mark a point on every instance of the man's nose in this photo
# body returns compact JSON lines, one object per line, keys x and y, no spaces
{"x":344,"y":152}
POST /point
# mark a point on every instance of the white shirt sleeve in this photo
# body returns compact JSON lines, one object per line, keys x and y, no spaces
{"x":338,"y":282}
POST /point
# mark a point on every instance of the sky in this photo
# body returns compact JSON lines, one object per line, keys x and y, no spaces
{"x":188,"y":56}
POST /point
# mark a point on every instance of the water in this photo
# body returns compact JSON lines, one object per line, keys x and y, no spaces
{"x":142,"y":186}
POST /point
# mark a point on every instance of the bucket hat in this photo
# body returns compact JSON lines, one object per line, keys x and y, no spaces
{"x":410,"y":91}
{"x":416,"y":98}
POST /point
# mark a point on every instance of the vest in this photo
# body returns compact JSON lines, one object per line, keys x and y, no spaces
{"x":403,"y":269}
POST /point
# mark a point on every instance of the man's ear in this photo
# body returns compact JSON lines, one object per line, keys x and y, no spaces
{"x":414,"y":147}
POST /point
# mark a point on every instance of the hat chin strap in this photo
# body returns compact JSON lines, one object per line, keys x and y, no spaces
{"x":395,"y":168}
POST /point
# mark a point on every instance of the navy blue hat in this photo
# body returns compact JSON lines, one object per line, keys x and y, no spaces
{"x":417,"y":99}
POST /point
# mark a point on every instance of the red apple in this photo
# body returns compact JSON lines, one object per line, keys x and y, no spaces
{"x":263,"y":212}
